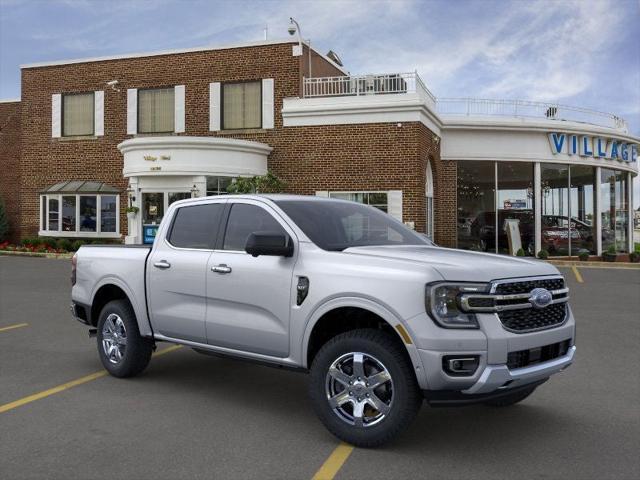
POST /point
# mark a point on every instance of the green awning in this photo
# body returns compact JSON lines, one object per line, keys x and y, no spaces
{"x":81,"y":186}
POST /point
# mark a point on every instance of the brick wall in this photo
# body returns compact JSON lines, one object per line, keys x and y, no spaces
{"x":10,"y":162}
{"x":341,"y":157}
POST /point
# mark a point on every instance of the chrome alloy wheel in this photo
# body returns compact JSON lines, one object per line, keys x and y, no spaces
{"x":114,"y":338}
{"x":359,"y":389}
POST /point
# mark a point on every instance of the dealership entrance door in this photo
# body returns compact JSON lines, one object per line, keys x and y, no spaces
{"x":154,"y":206}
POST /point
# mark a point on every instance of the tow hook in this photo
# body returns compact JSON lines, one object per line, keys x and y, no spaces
{"x":93,"y":332}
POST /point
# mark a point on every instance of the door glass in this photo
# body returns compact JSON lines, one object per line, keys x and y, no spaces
{"x":515,"y":208}
{"x":582,"y":209}
{"x":196,"y":227}
{"x":175,"y":196}
{"x":152,"y":208}
{"x":476,"y":206}
{"x":245,"y":219}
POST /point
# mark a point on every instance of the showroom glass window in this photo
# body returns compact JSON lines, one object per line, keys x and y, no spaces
{"x":241,"y":105}
{"x":80,"y":215}
{"x":476,"y":205}
{"x":374,"y":199}
{"x":78,"y":114}
{"x":581,"y":204}
{"x":156,"y":110}
{"x":516,"y":225}
{"x":614,"y":209}
{"x":555,"y":208}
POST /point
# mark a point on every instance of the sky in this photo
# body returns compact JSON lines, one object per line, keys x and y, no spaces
{"x":584,"y":53}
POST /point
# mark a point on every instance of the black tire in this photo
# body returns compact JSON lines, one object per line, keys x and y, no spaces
{"x":137,"y":351}
{"x":512,"y":399}
{"x":406,"y":400}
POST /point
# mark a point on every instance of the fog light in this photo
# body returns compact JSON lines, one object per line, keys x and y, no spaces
{"x":460,"y":366}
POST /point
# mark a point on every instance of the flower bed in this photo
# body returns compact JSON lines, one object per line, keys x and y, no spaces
{"x":46,"y":245}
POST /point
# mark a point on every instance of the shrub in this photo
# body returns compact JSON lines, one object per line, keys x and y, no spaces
{"x":634,"y":257}
{"x":611,"y":249}
{"x":520,"y":252}
{"x":543,"y":254}
{"x":583,"y":255}
{"x":4,"y":222}
{"x":65,"y":244}
{"x":76,"y":245}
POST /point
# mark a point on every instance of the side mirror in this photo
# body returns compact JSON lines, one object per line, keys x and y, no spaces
{"x":269,"y":243}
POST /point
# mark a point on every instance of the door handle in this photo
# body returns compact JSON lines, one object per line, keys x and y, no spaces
{"x":162,"y":264}
{"x":222,"y":268}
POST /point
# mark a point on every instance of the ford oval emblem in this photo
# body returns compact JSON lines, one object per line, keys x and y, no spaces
{"x":540,"y":297}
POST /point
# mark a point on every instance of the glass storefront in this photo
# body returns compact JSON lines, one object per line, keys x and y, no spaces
{"x":497,"y":201}
{"x":614,"y":209}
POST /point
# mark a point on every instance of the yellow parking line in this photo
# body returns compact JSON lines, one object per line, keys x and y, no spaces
{"x":333,"y":464}
{"x":577,"y":274}
{"x":65,"y":386}
{"x":11,"y":327}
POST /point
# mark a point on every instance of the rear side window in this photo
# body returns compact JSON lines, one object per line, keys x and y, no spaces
{"x":196,"y":227}
{"x":245,"y":219}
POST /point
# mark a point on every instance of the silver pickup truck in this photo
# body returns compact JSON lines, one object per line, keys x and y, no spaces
{"x":380,"y":317}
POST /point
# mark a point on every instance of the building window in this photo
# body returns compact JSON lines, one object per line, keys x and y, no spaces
{"x":241,"y":105}
{"x":156,"y":110}
{"x":516,"y":229}
{"x":78,"y":114}
{"x":375,"y":199}
{"x":429,"y":201}
{"x":477,"y":206}
{"x":614,"y":209}
{"x":218,"y":185}
{"x":75,"y":215}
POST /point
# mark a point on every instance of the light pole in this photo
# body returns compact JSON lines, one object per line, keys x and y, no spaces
{"x":294,"y":27}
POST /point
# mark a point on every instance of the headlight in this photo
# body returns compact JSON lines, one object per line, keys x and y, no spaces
{"x":443,"y":305}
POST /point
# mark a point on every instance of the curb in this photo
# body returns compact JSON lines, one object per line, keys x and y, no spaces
{"x":59,"y":256}
{"x":612,"y":265}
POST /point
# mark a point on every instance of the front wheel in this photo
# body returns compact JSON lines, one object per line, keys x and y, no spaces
{"x":123,"y":351}
{"x":363,"y":387}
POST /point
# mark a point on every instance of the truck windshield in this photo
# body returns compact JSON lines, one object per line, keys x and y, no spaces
{"x":336,"y":225}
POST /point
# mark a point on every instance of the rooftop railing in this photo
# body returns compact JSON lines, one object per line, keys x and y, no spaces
{"x":528,"y":109}
{"x":402,"y":83}
{"x":357,"y":85}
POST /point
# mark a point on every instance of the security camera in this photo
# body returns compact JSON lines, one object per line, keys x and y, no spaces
{"x":112,"y":83}
{"x":291,"y":29}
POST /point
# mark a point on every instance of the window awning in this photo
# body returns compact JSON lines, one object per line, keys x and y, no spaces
{"x":81,"y":186}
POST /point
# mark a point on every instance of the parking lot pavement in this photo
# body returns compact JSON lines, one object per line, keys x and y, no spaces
{"x":193,"y":416}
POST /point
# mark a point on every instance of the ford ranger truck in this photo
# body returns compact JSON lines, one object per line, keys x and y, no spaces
{"x":379,"y":317}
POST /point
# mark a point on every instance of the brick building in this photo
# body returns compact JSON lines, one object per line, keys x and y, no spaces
{"x":90,"y":137}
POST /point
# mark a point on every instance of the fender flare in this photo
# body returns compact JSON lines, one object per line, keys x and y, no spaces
{"x":140,"y":311}
{"x":365,"y":303}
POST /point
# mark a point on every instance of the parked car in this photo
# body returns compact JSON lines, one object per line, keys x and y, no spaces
{"x":379,"y":317}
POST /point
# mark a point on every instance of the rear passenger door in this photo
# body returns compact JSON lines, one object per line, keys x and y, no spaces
{"x":177,"y":272}
{"x":249,"y":298}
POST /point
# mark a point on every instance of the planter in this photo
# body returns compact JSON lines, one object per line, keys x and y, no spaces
{"x":609,"y":257}
{"x":634,"y":257}
{"x":131,"y":216}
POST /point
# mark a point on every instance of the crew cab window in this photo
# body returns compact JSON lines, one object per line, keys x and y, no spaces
{"x":196,"y":226}
{"x":245,"y":219}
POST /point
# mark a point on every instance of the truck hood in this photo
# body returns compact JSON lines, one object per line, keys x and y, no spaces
{"x":461,"y":265}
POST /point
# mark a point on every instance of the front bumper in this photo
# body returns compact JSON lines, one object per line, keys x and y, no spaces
{"x":496,"y":377}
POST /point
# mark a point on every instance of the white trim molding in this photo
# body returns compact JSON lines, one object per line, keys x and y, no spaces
{"x":179,"y":101}
{"x":268,"y":114}
{"x":98,"y":112}
{"x":132,"y":111}
{"x":184,"y":155}
{"x":214,"y":107}
{"x":56,"y":115}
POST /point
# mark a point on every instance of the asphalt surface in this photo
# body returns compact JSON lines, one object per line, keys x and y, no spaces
{"x":193,"y":416}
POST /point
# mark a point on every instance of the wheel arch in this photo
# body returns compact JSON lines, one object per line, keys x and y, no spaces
{"x":112,"y":288}
{"x":328,"y":321}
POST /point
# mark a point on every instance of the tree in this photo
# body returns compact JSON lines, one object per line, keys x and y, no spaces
{"x":4,"y":222}
{"x":268,"y":183}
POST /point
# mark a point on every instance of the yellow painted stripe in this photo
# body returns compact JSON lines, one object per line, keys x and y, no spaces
{"x":577,"y":274}
{"x":334,"y":463}
{"x":11,"y":327}
{"x":65,"y":386}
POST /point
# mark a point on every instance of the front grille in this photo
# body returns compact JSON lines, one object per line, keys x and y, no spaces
{"x":528,"y":285}
{"x":526,"y":320}
{"x":524,"y":358}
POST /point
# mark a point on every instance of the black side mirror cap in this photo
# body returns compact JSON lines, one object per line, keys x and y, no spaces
{"x":275,"y":244}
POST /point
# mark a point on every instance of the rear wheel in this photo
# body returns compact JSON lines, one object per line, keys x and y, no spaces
{"x":512,"y":399}
{"x":123,"y":351}
{"x":363,"y":387}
